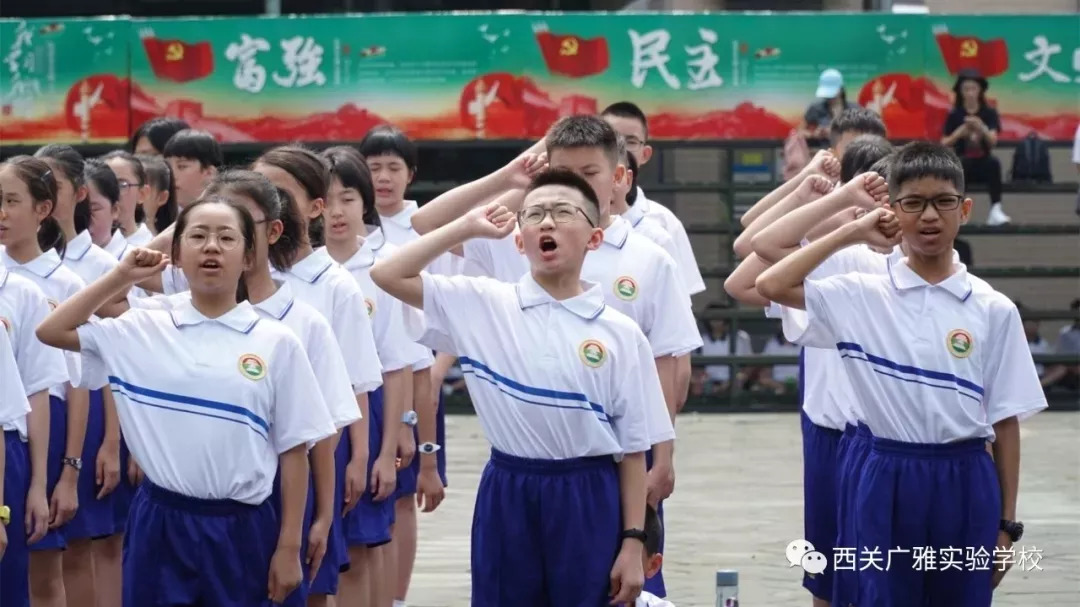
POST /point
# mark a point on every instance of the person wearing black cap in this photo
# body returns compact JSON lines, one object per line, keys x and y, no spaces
{"x":972,"y":129}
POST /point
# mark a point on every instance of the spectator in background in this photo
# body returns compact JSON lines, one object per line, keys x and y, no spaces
{"x":1076,"y":161}
{"x":780,"y":379}
{"x":971,"y":128}
{"x":1036,"y":343}
{"x":715,"y":379}
{"x":831,"y":102}
{"x":150,"y":138}
{"x":1066,"y":376}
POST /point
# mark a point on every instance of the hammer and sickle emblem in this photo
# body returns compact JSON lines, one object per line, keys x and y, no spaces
{"x":969,"y":49}
{"x":174,"y":52}
{"x":569,"y":47}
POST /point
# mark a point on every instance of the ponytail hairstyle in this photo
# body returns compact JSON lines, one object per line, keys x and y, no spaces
{"x":140,"y":174}
{"x":349,"y":166}
{"x":309,"y":170}
{"x":276,"y":204}
{"x":247,"y":230}
{"x":68,"y":164}
{"x":159,"y":176}
{"x":41,"y":183}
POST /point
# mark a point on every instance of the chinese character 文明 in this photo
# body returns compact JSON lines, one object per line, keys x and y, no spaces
{"x":1004,"y":558}
{"x":1040,"y":57}
{"x":978,"y":560}
{"x":949,"y":558}
{"x":871,"y":558}
{"x":249,"y":75}
{"x":649,"y":54}
{"x":924,"y":558}
{"x":703,"y":67}
{"x":302,"y":57}
{"x":898,"y":551}
{"x":21,"y":93}
{"x":843,"y":559}
{"x":1030,"y":558}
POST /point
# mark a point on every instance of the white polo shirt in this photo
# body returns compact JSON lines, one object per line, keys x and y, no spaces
{"x":943,"y":363}
{"x":58,"y":283}
{"x":666,"y":219}
{"x":647,"y":599}
{"x":141,"y":236}
{"x":87,"y":259}
{"x":396,"y":348}
{"x":399,"y":231}
{"x":314,"y":333}
{"x":549,"y":379}
{"x":207,"y":405}
{"x":13,"y":403}
{"x":323,"y":284}
{"x":117,"y":245}
{"x":722,"y":347}
{"x":653,"y":231}
{"x":637,"y":278}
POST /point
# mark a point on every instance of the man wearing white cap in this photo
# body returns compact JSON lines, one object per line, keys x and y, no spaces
{"x":831,"y":101}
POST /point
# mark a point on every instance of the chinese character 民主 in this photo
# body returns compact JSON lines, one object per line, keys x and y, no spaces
{"x":649,"y":54}
{"x":703,"y":67}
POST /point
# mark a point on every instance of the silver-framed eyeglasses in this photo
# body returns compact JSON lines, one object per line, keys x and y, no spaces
{"x":198,"y":238}
{"x":561,"y":212}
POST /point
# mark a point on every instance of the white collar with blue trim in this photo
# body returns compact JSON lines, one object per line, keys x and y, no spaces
{"x":617,"y":233}
{"x":78,"y":247}
{"x":369,"y":249}
{"x":43,"y":265}
{"x":3,"y":276}
{"x":588,"y":305}
{"x":241,"y":319}
{"x":278,"y":304}
{"x":311,"y":268}
{"x":635,"y":213}
{"x":958,"y":283}
{"x":117,"y":245}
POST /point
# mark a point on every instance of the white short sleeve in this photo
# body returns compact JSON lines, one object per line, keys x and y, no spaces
{"x":13,"y":403}
{"x":673,"y":331}
{"x":684,"y":258}
{"x":101,"y":336}
{"x":396,"y":349}
{"x":856,"y":258}
{"x":639,"y":413}
{"x":173,"y":281}
{"x":828,"y":301}
{"x":478,"y":259}
{"x":300,"y":415}
{"x":1012,"y":384}
{"x":444,"y":299}
{"x":332,"y":374}
{"x":352,"y":328}
{"x":41,"y":367}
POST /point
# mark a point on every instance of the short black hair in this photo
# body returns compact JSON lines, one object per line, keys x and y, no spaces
{"x":881,"y":167}
{"x":570,"y":179}
{"x":158,"y":131}
{"x":196,"y":145}
{"x":628,"y":109}
{"x":583,"y":131}
{"x":920,"y":159}
{"x":387,"y":140}
{"x":856,"y":120}
{"x":632,"y":166}
{"x":654,"y":531}
{"x":350,"y":167}
{"x":861,"y":154}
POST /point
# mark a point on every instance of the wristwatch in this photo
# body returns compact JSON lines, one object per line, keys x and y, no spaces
{"x":409,"y":418}
{"x":429,"y":448}
{"x":1014,"y":529}
{"x":74,"y":462}
{"x":5,"y":515}
{"x":635,"y":534}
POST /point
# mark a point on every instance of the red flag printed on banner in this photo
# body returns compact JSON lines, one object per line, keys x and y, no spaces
{"x":987,"y":57}
{"x":573,"y":56}
{"x":179,"y":61}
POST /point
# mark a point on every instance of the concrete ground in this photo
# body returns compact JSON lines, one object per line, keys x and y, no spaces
{"x":738,"y":502}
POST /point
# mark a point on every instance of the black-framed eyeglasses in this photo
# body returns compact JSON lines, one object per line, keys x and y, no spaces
{"x":917,"y":204}
{"x":125,"y":185}
{"x":562,"y":212}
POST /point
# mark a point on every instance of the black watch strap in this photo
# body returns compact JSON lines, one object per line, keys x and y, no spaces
{"x":633,"y":534}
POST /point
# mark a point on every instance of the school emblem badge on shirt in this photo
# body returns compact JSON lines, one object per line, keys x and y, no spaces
{"x":959,"y":343}
{"x":252,"y":367}
{"x":593,"y":353}
{"x":626,"y":288}
{"x":370,"y":305}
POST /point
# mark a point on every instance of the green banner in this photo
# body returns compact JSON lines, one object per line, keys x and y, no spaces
{"x":64,"y":81}
{"x":509,"y":76}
